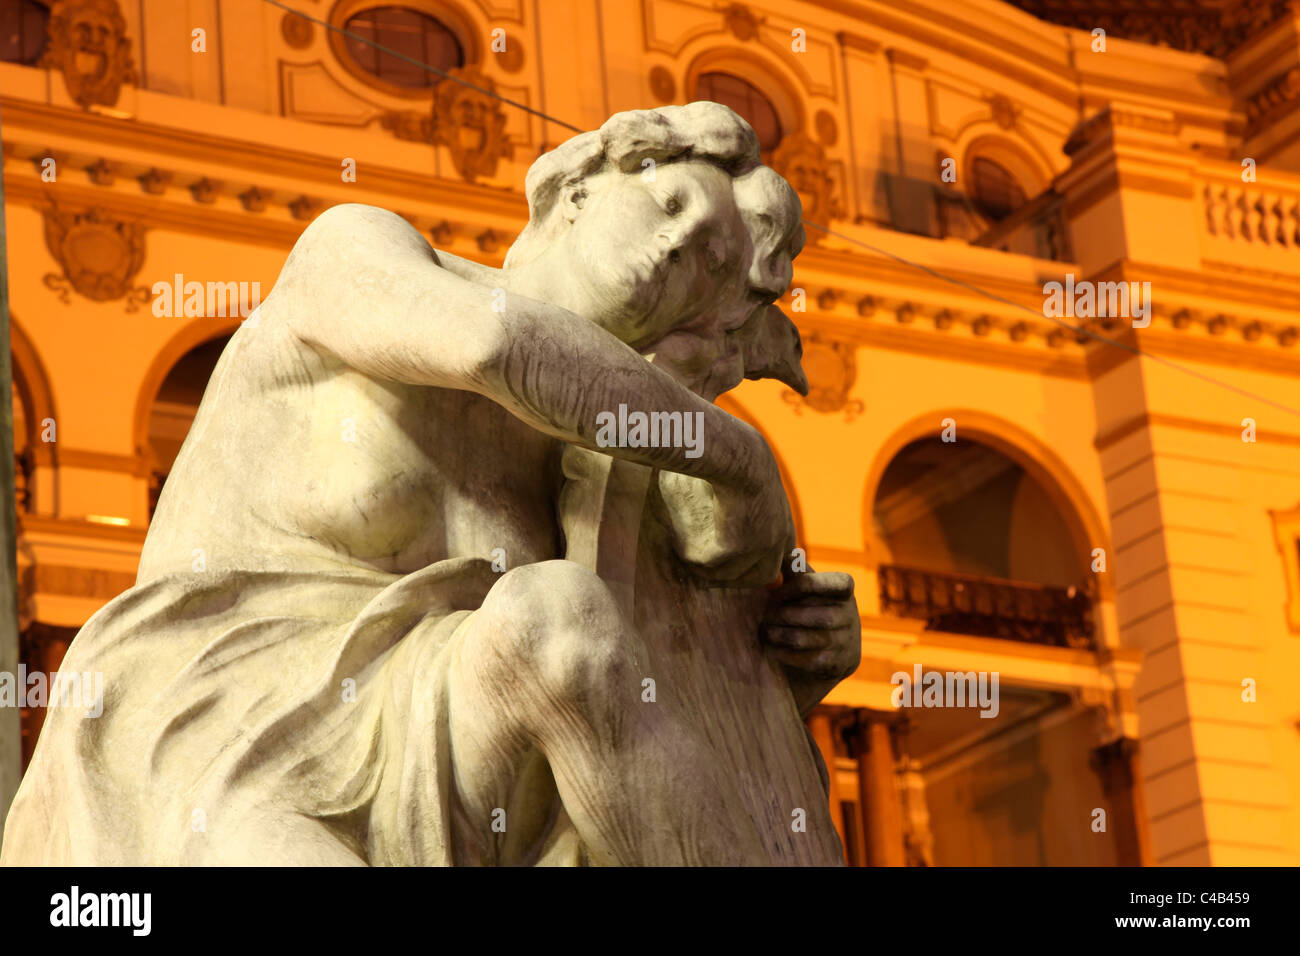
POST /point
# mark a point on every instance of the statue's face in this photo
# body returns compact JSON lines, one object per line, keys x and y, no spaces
{"x":646,"y":254}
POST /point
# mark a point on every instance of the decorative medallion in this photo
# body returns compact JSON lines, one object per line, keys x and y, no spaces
{"x":99,"y":254}
{"x":470,"y":124}
{"x":828,"y":130}
{"x":802,"y":161}
{"x":831,"y":367}
{"x":511,"y":59}
{"x":297,"y":31}
{"x":662,"y":85}
{"x":741,"y":22}
{"x":1004,"y":112}
{"x":88,"y":43}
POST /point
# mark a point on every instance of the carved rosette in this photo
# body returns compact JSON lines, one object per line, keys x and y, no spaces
{"x":471,"y":124}
{"x":99,"y":255}
{"x":88,"y":44}
{"x":802,"y":161}
{"x":831,"y":367}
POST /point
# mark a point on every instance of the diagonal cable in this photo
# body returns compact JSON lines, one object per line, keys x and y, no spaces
{"x":1077,"y":329}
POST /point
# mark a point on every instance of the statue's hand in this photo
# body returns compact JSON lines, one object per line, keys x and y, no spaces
{"x":813,"y":629}
{"x":731,"y":537}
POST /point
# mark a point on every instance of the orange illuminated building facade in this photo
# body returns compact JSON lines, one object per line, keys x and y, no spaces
{"x":1112,"y":527}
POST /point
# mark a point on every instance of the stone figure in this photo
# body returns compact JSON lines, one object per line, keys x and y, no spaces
{"x":405,"y":601}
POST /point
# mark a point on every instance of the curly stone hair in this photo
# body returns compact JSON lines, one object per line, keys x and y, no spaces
{"x":701,"y":130}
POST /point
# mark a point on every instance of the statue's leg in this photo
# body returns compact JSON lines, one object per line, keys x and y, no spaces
{"x":268,"y":837}
{"x":550,"y":664}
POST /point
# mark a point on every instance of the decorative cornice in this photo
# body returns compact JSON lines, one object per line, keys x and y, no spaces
{"x":1118,"y":433}
{"x":198,"y":212}
{"x":922,"y":340}
{"x":854,"y":41}
{"x":134,"y":465}
{"x":1273,"y":100}
{"x":78,"y":581}
{"x":1104,"y":123}
{"x":903,"y":58}
{"x":995,"y":51}
{"x":24,"y":120}
{"x":1210,"y":27}
{"x":69,"y":528}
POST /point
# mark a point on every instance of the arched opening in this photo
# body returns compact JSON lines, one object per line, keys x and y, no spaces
{"x":984,"y":537}
{"x":22,"y":448}
{"x":729,"y":404}
{"x":34,"y":426}
{"x":974,"y":544}
{"x":994,"y":190}
{"x":173,"y":409}
{"x":23,"y":26}
{"x":747,"y":100}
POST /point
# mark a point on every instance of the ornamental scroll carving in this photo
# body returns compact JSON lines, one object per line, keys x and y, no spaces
{"x":832,"y":368}
{"x":99,"y":255}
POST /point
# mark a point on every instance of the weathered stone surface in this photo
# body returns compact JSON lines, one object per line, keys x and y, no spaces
{"x":402,"y":603}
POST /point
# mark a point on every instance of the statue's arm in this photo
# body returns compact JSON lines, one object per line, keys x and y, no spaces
{"x":369,"y":290}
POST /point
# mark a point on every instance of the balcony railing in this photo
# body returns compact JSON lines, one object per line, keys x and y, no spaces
{"x":989,"y":607}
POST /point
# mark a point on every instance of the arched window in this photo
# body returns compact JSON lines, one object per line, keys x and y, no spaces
{"x":977,"y":546}
{"x":22,"y":30}
{"x":745,"y":99}
{"x":995,"y":192}
{"x":415,"y":35}
{"x":22,"y":455}
{"x":174,"y":409}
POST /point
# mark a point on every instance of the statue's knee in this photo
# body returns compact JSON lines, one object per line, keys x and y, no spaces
{"x":561,"y":625}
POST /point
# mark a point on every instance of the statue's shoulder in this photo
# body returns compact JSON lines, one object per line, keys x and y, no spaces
{"x":358,"y":227}
{"x":347,"y":240}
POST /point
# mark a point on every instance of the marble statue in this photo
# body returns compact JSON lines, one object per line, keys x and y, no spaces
{"x":411,"y":595}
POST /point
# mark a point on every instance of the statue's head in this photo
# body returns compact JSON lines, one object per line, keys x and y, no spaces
{"x":664,"y":227}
